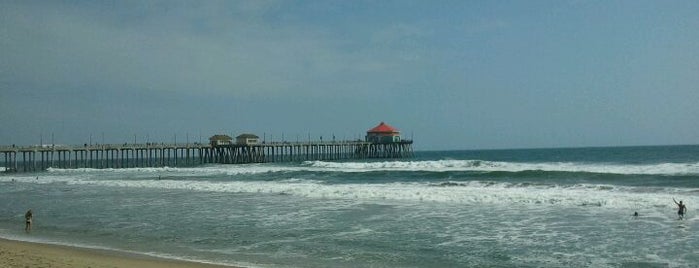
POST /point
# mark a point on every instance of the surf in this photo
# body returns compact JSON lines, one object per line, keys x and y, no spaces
{"x":497,"y":166}
{"x":458,"y":192}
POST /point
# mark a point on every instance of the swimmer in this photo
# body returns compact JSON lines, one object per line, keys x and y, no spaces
{"x":682,"y":208}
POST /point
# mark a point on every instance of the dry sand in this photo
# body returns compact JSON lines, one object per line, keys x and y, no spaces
{"x":25,"y":254}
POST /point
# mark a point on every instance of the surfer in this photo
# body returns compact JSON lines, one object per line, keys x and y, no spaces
{"x":635,"y":214}
{"x":28,"y":223}
{"x":682,"y":209}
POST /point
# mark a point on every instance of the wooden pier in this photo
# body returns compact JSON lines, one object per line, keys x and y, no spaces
{"x":39,"y":158}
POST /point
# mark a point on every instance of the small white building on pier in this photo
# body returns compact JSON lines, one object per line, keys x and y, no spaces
{"x":220,"y":140}
{"x":247,"y":139}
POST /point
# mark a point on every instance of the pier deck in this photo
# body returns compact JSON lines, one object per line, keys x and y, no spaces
{"x":37,"y":158}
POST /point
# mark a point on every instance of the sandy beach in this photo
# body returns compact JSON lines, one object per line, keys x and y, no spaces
{"x":27,"y":254}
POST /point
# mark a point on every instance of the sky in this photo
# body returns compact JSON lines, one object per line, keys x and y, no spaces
{"x":448,"y":74}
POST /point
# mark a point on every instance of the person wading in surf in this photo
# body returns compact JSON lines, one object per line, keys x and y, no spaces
{"x":682,"y":209}
{"x":28,"y":221}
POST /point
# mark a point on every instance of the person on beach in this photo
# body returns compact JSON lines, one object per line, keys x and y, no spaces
{"x":682,"y":208}
{"x":28,"y":217}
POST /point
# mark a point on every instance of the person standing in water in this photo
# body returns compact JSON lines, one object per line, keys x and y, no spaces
{"x":28,"y":217}
{"x":682,"y":209}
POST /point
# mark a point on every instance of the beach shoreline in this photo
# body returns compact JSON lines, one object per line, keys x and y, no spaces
{"x":14,"y":253}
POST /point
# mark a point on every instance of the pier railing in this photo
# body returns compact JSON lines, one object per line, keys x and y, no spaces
{"x":130,"y":155}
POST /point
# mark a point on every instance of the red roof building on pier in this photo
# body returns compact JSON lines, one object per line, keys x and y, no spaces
{"x":383,"y":133}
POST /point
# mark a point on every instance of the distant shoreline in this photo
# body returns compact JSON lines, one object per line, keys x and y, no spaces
{"x":15,"y":253}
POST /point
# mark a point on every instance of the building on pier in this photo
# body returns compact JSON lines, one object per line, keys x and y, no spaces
{"x":383,"y":133}
{"x":382,"y":141}
{"x":247,"y":139}
{"x":220,"y":139}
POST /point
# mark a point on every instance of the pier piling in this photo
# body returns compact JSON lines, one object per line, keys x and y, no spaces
{"x":38,"y":158}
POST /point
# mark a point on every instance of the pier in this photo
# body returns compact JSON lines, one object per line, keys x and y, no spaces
{"x":38,"y":158}
{"x":382,"y":141}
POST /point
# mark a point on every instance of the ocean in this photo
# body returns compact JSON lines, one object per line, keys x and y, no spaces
{"x":488,"y":208}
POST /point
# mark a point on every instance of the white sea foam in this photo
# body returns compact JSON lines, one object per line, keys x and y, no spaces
{"x":494,"y":166}
{"x":198,"y":171}
{"x":449,"y":192}
{"x":426,"y":166}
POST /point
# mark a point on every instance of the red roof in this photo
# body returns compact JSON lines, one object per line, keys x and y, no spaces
{"x":383,"y":128}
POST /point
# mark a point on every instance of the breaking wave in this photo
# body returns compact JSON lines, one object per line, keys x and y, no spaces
{"x":424,"y":166}
{"x":477,"y":192}
{"x":494,"y":166}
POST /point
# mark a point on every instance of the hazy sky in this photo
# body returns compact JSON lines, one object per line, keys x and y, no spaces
{"x":451,"y":74}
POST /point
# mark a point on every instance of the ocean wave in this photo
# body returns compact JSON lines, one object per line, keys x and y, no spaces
{"x":240,"y":169}
{"x":481,"y":192}
{"x":483,"y":166}
{"x":495,"y":166}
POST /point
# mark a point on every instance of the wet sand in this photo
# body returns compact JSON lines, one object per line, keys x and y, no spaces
{"x":27,"y":254}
